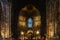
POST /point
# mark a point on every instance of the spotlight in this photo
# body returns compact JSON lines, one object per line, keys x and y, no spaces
{"x":22,"y":33}
{"x":37,"y":32}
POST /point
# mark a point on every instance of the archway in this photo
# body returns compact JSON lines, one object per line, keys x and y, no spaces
{"x":17,"y":10}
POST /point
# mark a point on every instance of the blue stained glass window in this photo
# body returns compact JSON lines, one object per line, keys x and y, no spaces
{"x":30,"y":22}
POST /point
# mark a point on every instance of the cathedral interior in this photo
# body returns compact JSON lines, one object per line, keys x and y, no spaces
{"x":30,"y":20}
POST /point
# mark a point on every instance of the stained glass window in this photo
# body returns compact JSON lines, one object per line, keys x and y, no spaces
{"x":30,"y":23}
